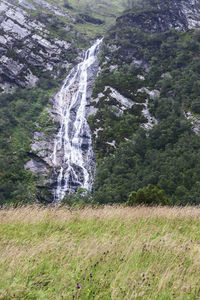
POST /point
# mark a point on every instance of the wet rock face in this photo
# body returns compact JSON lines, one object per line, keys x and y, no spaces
{"x":164,"y":15}
{"x":186,"y":11}
{"x":191,"y":9}
{"x":49,"y":153}
{"x":26,"y":45}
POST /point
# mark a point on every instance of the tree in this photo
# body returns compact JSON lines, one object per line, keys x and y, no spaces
{"x":150,"y":195}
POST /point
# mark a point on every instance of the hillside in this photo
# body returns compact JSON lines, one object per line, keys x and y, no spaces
{"x":44,"y":36}
{"x":147,"y":104}
{"x":105,"y":253}
{"x":40,"y":41}
{"x":140,"y":96}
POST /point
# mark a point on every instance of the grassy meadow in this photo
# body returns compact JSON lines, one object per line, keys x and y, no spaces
{"x":107,"y":11}
{"x":104,"y":253}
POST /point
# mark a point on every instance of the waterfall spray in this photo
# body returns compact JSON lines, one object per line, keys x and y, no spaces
{"x":73,"y":140}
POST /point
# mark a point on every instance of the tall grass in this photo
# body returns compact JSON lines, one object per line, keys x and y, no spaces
{"x":105,"y":253}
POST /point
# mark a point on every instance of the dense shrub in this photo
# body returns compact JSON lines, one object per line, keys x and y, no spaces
{"x":168,"y":155}
{"x":150,"y":195}
{"x":19,"y":113}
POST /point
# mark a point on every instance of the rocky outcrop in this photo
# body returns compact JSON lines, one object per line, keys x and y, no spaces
{"x":129,"y":50}
{"x":163,"y":15}
{"x":195,"y":122}
{"x":123,"y":104}
{"x":27,"y":45}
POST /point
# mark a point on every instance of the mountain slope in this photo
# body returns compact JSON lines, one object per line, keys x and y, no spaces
{"x":39,"y":36}
{"x":149,"y":82}
{"x":145,"y":107}
{"x":30,"y":44}
{"x":40,"y":41}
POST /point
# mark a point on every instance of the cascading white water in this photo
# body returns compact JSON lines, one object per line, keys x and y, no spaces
{"x":73,"y":151}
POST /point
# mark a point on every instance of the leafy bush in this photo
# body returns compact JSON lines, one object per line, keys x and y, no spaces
{"x":150,"y":195}
{"x":19,"y":113}
{"x":80,"y":199}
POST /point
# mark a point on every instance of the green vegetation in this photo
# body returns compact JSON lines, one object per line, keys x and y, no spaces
{"x":91,"y":18}
{"x":107,"y":253}
{"x":19,"y":114}
{"x":82,"y":198}
{"x":130,"y":159}
{"x":21,"y":111}
{"x":117,"y":126}
{"x":168,"y":155}
{"x":94,"y":17}
{"x":103,"y":10}
{"x":148,"y":196}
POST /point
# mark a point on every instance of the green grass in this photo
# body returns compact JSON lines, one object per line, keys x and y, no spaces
{"x":107,"y":11}
{"x":105,"y":253}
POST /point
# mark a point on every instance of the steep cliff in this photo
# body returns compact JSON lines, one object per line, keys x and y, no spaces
{"x":38,"y":36}
{"x":158,"y":16}
{"x":29,"y":43}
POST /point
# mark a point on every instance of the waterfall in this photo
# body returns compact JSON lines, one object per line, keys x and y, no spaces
{"x":73,"y":153}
